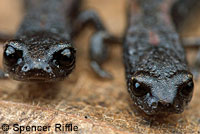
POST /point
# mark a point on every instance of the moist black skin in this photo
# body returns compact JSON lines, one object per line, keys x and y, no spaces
{"x":42,"y":49}
{"x":157,"y":74}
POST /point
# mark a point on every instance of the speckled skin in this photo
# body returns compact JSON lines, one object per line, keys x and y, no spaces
{"x":45,"y":30}
{"x":154,"y":57}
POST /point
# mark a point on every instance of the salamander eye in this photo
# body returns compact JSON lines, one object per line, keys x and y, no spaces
{"x":187,"y":88}
{"x":65,"y":57}
{"x":12,"y":55}
{"x":139,"y":89}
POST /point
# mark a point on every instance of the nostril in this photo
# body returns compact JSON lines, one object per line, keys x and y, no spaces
{"x":154,"y":105}
{"x":25,"y":68}
{"x":167,"y":104}
{"x":48,"y":69}
{"x":160,"y":104}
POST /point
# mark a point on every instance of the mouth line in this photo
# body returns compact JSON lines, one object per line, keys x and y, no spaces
{"x":37,"y":78}
{"x":161,"y":111}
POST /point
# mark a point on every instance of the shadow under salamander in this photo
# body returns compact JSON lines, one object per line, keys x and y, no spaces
{"x":37,"y":91}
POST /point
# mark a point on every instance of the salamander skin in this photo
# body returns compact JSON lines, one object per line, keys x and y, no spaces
{"x":42,"y":49}
{"x":157,"y":74}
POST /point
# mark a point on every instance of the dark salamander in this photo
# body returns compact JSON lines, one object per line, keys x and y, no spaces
{"x":157,"y":74}
{"x":42,"y":49}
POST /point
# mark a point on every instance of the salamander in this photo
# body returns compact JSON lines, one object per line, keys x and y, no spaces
{"x":42,"y":48}
{"x":157,"y":74}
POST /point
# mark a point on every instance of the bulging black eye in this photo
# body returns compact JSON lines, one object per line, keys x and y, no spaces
{"x":12,"y":55}
{"x":139,"y":89}
{"x":187,"y":88}
{"x":65,"y":57}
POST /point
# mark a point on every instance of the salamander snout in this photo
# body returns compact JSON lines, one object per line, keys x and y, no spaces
{"x":51,"y":64}
{"x":163,"y":96}
{"x":36,"y":66}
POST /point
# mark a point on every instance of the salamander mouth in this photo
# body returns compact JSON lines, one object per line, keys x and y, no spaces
{"x":37,"y":78}
{"x":163,"y":112}
{"x":160,"y":110}
{"x":39,"y":75}
{"x":41,"y":80}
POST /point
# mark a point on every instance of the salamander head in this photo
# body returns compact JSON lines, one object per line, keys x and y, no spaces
{"x":161,"y":85}
{"x":161,"y":96}
{"x":39,"y":61}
